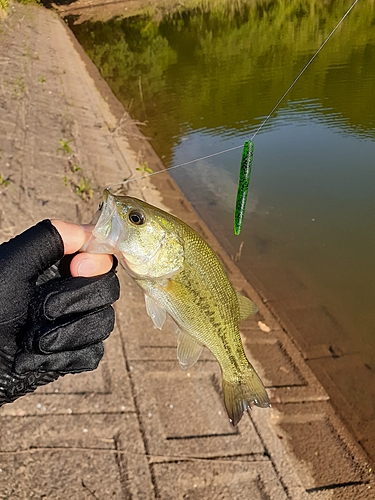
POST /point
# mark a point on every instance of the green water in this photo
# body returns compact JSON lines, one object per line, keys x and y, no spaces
{"x":203,"y":80}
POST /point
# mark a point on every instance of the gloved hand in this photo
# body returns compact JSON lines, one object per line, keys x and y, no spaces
{"x":50,"y":329}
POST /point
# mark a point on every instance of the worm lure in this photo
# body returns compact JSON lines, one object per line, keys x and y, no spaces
{"x":243,"y":185}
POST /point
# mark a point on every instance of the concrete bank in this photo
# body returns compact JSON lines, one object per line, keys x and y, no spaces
{"x":139,"y":427}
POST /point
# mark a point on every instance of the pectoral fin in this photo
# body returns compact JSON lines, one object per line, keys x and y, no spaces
{"x":247,"y":307}
{"x":156,"y":313}
{"x":188,"y":350}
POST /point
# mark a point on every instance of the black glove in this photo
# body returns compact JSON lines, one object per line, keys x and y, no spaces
{"x":50,"y":329}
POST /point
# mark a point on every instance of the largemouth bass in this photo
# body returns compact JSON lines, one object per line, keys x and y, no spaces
{"x":182,"y":276}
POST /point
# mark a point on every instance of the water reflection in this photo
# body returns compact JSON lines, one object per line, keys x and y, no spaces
{"x":204,"y":80}
{"x":228,"y":67}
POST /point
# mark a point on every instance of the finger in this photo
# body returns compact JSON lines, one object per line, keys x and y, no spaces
{"x":62,"y":362}
{"x":73,"y":236}
{"x":89,"y":264}
{"x":84,"y":331}
{"x":77,"y":296}
{"x":28,"y":255}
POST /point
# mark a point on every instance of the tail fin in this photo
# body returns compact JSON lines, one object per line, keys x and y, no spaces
{"x":243,"y":392}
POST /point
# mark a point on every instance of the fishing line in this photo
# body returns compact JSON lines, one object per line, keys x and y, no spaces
{"x":264,"y":121}
{"x":248,"y":146}
{"x":303,"y":70}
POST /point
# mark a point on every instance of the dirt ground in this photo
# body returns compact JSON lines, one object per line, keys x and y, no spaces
{"x":83,"y":10}
{"x":138,"y":427}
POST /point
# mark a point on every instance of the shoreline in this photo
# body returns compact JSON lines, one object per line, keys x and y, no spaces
{"x":301,"y":410}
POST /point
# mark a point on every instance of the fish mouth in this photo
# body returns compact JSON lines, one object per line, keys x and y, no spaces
{"x":108,"y":229}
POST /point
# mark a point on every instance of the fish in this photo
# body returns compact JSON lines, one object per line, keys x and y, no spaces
{"x":182,"y":276}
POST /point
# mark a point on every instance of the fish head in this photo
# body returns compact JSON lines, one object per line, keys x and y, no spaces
{"x":144,"y":238}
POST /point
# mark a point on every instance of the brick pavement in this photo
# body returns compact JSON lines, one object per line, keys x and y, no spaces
{"x":139,"y":427}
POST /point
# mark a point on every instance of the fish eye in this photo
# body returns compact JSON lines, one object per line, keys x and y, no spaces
{"x":137,"y":217}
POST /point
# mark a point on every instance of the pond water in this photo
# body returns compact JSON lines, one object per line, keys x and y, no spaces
{"x":203,"y":80}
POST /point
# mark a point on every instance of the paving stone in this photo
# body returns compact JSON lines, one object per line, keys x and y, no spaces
{"x":63,"y":431}
{"x":323,"y":455}
{"x":360,"y":414}
{"x":313,"y":323}
{"x":289,"y":286}
{"x":354,"y":492}
{"x":182,"y":412}
{"x":280,"y":370}
{"x":219,"y":481}
{"x":282,"y":367}
{"x":351,"y":379}
{"x":105,"y":452}
{"x":245,"y":288}
{"x":60,"y":475}
{"x":367,"y":433}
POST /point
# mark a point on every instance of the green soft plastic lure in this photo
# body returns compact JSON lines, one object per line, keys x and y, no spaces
{"x":243,"y":185}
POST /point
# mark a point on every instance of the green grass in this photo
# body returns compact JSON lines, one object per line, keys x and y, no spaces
{"x":18,"y":85}
{"x":144,"y":168}
{"x":30,"y":2}
{"x":74,"y":176}
{"x":4,"y":4}
{"x":83,"y":188}
{"x":65,"y":148}
{"x":4,"y":181}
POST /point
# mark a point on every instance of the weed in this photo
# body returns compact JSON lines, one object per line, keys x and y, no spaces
{"x":84,"y":189}
{"x":42,"y":79}
{"x":4,"y":4}
{"x":144,"y":168}
{"x":74,"y":175}
{"x":19,"y":85}
{"x":75,"y":168}
{"x":65,"y":148}
{"x":30,"y":2}
{"x":27,"y":51}
{"x":4,"y":182}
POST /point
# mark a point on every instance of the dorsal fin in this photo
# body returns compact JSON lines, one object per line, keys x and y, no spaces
{"x":246,"y":306}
